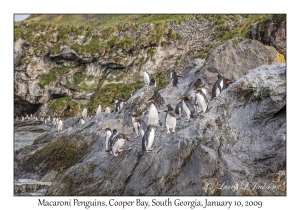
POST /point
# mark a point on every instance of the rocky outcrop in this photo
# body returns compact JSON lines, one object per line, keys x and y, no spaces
{"x":271,"y":32}
{"x":240,"y":141}
{"x":235,"y":58}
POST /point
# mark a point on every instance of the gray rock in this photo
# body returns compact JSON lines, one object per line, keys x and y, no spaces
{"x":240,"y":141}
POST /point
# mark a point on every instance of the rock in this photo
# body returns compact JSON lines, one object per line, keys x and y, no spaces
{"x":271,"y":32}
{"x":49,"y":177}
{"x":240,"y":141}
{"x":236,"y":57}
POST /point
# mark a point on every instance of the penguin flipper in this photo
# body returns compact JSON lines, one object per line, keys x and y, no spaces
{"x":144,"y":142}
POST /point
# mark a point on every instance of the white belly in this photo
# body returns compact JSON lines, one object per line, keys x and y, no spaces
{"x":135,"y":126}
{"x":151,"y":139}
{"x":218,"y":92}
{"x":146,"y":78}
{"x":118,"y":145}
{"x":107,"y":110}
{"x":170,"y":121}
{"x":186,"y":109}
{"x":99,"y":110}
{"x":108,"y":134}
{"x":84,"y":113}
{"x":201,"y":102}
{"x":153,"y":116}
{"x":221,"y":84}
{"x":142,"y":133}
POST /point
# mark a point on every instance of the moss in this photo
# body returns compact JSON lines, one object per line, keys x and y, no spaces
{"x":25,"y":61}
{"x":59,"y":105}
{"x":236,"y":41}
{"x":46,"y":79}
{"x":62,"y":153}
{"x":79,"y":77}
{"x":87,"y":87}
{"x":202,"y":56}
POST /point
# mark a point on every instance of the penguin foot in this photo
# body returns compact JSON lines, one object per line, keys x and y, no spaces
{"x":168,"y":131}
{"x":150,"y":149}
{"x":173,"y":131}
{"x":116,"y":155}
{"x":106,"y":150}
{"x":120,"y":150}
{"x":111,"y":152}
{"x":136,"y":136}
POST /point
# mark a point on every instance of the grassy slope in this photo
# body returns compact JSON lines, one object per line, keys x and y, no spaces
{"x":225,"y":27}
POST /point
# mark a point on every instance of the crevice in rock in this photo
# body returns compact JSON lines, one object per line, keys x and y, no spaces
{"x":23,"y":107}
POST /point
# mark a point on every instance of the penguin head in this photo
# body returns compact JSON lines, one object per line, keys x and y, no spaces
{"x":184,"y":97}
{"x":137,"y":119}
{"x":127,"y":137}
{"x":152,"y":101}
{"x":219,"y":76}
{"x":115,"y":131}
{"x":106,"y":129}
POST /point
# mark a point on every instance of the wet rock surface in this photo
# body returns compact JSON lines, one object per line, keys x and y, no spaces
{"x":239,"y":141}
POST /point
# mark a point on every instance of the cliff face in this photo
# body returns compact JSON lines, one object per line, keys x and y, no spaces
{"x":61,"y":69}
{"x":239,"y":141}
{"x":43,"y":78}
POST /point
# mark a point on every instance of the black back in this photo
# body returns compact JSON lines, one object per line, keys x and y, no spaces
{"x":215,"y":87}
{"x":190,"y":106}
{"x":143,"y":125}
{"x":152,"y":82}
{"x":118,"y":105}
{"x":145,"y":139}
{"x":179,"y":105}
{"x":197,"y":83}
{"x":174,"y":78}
{"x":111,"y":140}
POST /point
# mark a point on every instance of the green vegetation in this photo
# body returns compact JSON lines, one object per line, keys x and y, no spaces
{"x":46,"y":79}
{"x":236,"y":41}
{"x":79,"y":77}
{"x":61,"y":104}
{"x":86,"y":87}
{"x":64,"y":152}
{"x":201,"y":55}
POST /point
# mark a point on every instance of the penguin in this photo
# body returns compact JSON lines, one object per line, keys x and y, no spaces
{"x":146,"y":78}
{"x":142,"y":125}
{"x":170,"y":119}
{"x":82,"y":122}
{"x":188,"y":107}
{"x":227,"y":84}
{"x":107,"y":136}
{"x":174,"y":78}
{"x":84,"y":113}
{"x":153,"y":114}
{"x":135,"y":125}
{"x":98,"y":110}
{"x":178,"y":109}
{"x":217,"y":88}
{"x":119,"y":104}
{"x":107,"y":110}
{"x":59,"y":126}
{"x":152,"y":82}
{"x":119,"y":142}
{"x":201,"y":100}
{"x":198,"y":83}
{"x":148,"y":138}
{"x":111,"y":140}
